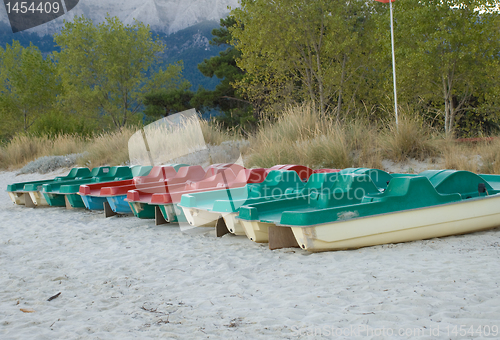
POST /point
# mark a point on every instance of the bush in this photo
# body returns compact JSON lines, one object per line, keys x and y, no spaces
{"x":301,"y":135}
{"x":410,"y":139}
{"x":57,"y":123}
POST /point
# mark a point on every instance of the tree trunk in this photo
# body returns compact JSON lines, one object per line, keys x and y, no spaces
{"x":339,"y":104}
{"x":320,"y":86}
{"x":25,"y":120}
{"x":447,"y":107}
{"x":125,"y":108}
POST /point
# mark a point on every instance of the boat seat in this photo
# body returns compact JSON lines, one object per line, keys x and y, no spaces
{"x":379,"y":177}
{"x":462,"y":182}
{"x":140,"y":170}
{"x":276,"y":183}
{"x":402,"y":193}
{"x":157,"y":174}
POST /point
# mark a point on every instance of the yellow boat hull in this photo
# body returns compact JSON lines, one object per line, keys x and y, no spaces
{"x":38,"y":199}
{"x":256,"y":231}
{"x":17,"y":198}
{"x":200,"y":218}
{"x":233,"y":225}
{"x":411,"y":225}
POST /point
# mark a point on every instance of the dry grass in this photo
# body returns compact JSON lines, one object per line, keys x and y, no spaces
{"x":460,"y":156}
{"x":215,"y":134}
{"x":299,"y":136}
{"x":108,"y":148}
{"x":490,"y":157}
{"x":169,"y":140}
{"x":23,"y":149}
{"x":303,"y":136}
{"x":410,"y":139}
{"x":483,"y":157}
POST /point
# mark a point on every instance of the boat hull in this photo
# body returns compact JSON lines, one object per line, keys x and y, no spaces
{"x":54,"y":200}
{"x":142,"y":210}
{"x":119,"y":205}
{"x":75,"y":200}
{"x":256,"y":231}
{"x":17,"y":197}
{"x":404,"y":226}
{"x":233,"y":225}
{"x":38,"y":198}
{"x":200,"y":218}
{"x":172,"y":213}
{"x":94,"y":202}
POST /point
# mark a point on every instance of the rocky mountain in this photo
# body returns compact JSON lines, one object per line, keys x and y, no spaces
{"x":166,"y":16}
{"x":191,"y":45}
{"x":185,"y":27}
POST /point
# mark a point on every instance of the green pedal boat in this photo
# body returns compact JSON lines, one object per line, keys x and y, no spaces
{"x":205,"y":208}
{"x":28,"y":193}
{"x":65,"y":193}
{"x":434,"y":203}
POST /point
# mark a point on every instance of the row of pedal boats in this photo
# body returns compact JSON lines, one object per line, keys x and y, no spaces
{"x":286,"y":205}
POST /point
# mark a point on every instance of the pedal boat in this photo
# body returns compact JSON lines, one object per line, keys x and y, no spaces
{"x":234,"y":176}
{"x":98,"y":196}
{"x":322,"y":191}
{"x":65,"y":193}
{"x":203,"y":208}
{"x":436,"y":203}
{"x":28,"y":193}
{"x":139,"y":200}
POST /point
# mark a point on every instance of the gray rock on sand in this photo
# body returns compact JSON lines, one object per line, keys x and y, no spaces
{"x":47,"y":164}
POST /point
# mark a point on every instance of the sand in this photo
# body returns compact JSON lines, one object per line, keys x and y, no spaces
{"x":125,"y":278}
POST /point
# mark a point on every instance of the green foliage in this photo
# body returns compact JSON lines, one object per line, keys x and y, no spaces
{"x":58,"y":123}
{"x":316,"y":51}
{"x":443,"y":50}
{"x":28,"y":87}
{"x":236,"y":111}
{"x":337,"y":55}
{"x":106,"y":69}
{"x":162,"y":104}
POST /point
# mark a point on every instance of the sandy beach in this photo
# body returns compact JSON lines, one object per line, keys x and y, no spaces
{"x":125,"y":278}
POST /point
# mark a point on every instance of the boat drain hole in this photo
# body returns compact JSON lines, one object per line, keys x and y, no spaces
{"x":304,"y":246}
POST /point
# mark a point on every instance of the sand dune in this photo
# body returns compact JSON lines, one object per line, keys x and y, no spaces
{"x":127,"y":278}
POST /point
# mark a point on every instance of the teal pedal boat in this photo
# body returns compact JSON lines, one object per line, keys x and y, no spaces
{"x":65,"y":193}
{"x":208,"y":206}
{"x":434,"y":203}
{"x":28,"y":193}
{"x":203,"y":208}
{"x":322,"y":191}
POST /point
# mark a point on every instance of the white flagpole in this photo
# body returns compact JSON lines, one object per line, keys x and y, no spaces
{"x":394,"y":67}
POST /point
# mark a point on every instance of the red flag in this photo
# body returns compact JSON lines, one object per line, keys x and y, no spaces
{"x":385,"y":1}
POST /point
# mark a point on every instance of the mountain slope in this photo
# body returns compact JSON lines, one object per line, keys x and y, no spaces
{"x":191,"y":45}
{"x":166,"y":16}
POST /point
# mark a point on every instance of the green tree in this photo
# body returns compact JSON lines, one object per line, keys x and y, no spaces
{"x":236,"y":110}
{"x":28,"y":87}
{"x":303,"y":50}
{"x":108,"y":68}
{"x":443,"y":50}
{"x":162,"y":104}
